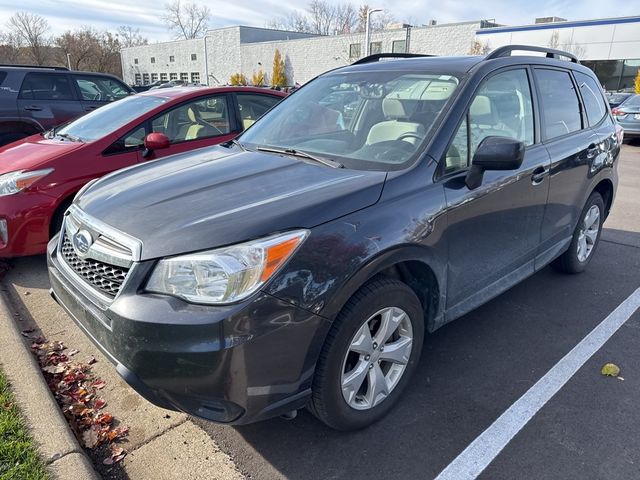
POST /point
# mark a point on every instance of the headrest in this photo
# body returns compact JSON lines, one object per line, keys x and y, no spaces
{"x":480,"y":106}
{"x":394,"y":108}
{"x":191,"y":113}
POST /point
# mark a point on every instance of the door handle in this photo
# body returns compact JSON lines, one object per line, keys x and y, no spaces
{"x":33,"y":108}
{"x":538,"y":175}
{"x":592,"y":150}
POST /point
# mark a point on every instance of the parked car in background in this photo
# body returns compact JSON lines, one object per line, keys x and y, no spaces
{"x":616,"y":98}
{"x":627,"y":114}
{"x":170,"y":84}
{"x":301,"y":264}
{"x":35,"y":99}
{"x":40,"y":175}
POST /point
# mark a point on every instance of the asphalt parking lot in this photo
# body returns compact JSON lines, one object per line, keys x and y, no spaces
{"x":472,"y":371}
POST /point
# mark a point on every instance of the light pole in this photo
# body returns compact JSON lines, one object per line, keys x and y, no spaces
{"x":367,"y":31}
{"x":69,"y":60}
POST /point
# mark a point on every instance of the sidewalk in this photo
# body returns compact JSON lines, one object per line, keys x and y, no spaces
{"x":161,"y":444}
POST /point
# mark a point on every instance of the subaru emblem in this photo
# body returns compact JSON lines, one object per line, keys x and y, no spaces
{"x":82,"y":241}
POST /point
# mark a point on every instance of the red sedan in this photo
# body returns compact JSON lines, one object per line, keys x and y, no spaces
{"x":40,"y":175}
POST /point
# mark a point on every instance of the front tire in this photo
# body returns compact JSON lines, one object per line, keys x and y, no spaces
{"x":370,"y":354}
{"x":585,"y":238}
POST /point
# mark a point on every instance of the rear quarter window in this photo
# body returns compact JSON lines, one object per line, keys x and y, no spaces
{"x":560,"y":104}
{"x":592,"y":98}
{"x":3,"y":75}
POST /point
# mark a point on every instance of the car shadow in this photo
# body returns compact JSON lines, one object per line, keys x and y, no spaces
{"x":470,"y":372}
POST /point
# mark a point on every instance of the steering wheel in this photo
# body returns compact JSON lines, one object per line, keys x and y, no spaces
{"x":410,"y":135}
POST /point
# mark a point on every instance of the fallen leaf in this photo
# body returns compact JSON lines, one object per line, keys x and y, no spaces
{"x":104,"y":418}
{"x":100,"y":403}
{"x":90,"y":438}
{"x":610,"y":370}
{"x":99,"y":384}
{"x":72,"y":353}
{"x":92,"y":360}
{"x":54,"y":369}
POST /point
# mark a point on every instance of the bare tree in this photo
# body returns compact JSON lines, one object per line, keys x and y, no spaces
{"x":379,"y":21}
{"x":81,"y":45}
{"x":321,"y":17}
{"x":346,"y":18}
{"x":187,"y":20}
{"x":9,"y":48}
{"x":32,"y":31}
{"x":294,"y":22}
{"x":554,"y":41}
{"x":130,"y":37}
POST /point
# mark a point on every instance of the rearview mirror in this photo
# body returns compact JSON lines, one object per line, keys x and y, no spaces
{"x":494,"y":153}
{"x":155,"y":141}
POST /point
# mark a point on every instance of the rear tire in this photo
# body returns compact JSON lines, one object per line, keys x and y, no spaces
{"x":586,"y":238}
{"x":357,"y":381}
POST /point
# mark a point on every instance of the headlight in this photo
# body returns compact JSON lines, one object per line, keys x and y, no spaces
{"x":224,"y":275}
{"x":14,"y":182}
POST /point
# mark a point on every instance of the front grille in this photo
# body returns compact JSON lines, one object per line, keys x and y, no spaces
{"x":105,"y":278}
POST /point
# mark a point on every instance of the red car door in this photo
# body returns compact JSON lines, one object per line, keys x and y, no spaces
{"x":196,"y":123}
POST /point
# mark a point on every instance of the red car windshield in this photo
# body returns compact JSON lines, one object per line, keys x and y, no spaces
{"x":111,"y":117}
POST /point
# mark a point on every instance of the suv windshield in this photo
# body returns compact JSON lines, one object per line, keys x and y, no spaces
{"x":109,"y":118}
{"x":366,"y":120}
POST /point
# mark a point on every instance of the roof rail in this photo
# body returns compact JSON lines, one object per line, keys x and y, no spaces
{"x":551,"y":52}
{"x":378,"y":56}
{"x":44,"y":67}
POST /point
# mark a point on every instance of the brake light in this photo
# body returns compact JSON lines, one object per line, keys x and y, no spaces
{"x":618,"y":113}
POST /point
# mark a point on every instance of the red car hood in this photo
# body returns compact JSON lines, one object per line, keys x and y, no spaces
{"x":33,"y":152}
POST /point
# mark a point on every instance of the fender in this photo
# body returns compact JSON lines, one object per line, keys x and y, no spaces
{"x":381,"y":262}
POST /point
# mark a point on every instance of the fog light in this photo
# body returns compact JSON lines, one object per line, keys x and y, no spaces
{"x":4,"y":234}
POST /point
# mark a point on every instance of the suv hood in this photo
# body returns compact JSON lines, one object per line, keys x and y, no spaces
{"x":33,"y":152}
{"x":215,"y":197}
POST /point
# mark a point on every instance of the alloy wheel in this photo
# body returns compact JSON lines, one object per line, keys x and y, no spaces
{"x":377,"y":358}
{"x":588,"y":233}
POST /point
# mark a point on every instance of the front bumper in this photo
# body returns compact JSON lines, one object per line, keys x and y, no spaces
{"x":233,"y":364}
{"x":28,"y":217}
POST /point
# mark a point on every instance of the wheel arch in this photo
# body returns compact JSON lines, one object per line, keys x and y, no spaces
{"x":605,"y":189}
{"x":413,"y":265}
{"x":28,"y":126}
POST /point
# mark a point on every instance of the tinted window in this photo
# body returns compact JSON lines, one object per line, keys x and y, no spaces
{"x":592,"y":98}
{"x":253,"y":106}
{"x":46,"y":86}
{"x":202,"y":118}
{"x":3,"y":75}
{"x":560,"y":105}
{"x":501,"y":108}
{"x":100,"y":89}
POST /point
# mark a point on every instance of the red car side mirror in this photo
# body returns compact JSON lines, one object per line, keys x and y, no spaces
{"x":156,"y":141}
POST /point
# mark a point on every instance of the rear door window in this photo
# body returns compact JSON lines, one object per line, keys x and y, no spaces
{"x":252,"y":106}
{"x":100,"y":89}
{"x":46,"y":86}
{"x":592,"y":98}
{"x":560,"y":104}
{"x":3,"y":75}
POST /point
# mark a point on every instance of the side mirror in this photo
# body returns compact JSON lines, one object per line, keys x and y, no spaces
{"x":155,"y":141}
{"x":494,"y":153}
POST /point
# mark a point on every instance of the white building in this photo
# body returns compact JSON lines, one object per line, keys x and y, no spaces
{"x":610,"y":46}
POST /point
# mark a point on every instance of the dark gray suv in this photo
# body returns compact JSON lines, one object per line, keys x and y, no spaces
{"x":35,"y":99}
{"x":303,"y":263}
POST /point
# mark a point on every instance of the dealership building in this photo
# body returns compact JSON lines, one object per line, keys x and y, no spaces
{"x":611,"y":47}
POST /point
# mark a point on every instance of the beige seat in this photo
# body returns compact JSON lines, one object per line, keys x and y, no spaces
{"x":198,"y":128}
{"x":396,"y":126}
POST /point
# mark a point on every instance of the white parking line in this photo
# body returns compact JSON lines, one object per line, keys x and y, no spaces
{"x":485,"y":448}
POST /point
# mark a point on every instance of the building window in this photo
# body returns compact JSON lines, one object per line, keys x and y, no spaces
{"x":173,"y":76}
{"x":172,"y":58}
{"x":163,"y":77}
{"x":135,"y":60}
{"x":153,"y":59}
{"x":375,"y":47}
{"x":194,"y":56}
{"x":138,"y":79}
{"x":184,"y":77}
{"x":145,"y":78}
{"x":399,"y":46}
{"x":195,"y":77}
{"x":354,"y":50}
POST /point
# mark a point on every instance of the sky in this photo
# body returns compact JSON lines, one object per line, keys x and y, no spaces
{"x":145,"y":14}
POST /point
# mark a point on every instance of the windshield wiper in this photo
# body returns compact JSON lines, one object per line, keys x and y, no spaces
{"x":300,"y":153}
{"x":68,"y":136}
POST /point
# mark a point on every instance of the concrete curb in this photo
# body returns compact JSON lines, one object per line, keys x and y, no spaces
{"x":57,"y":444}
